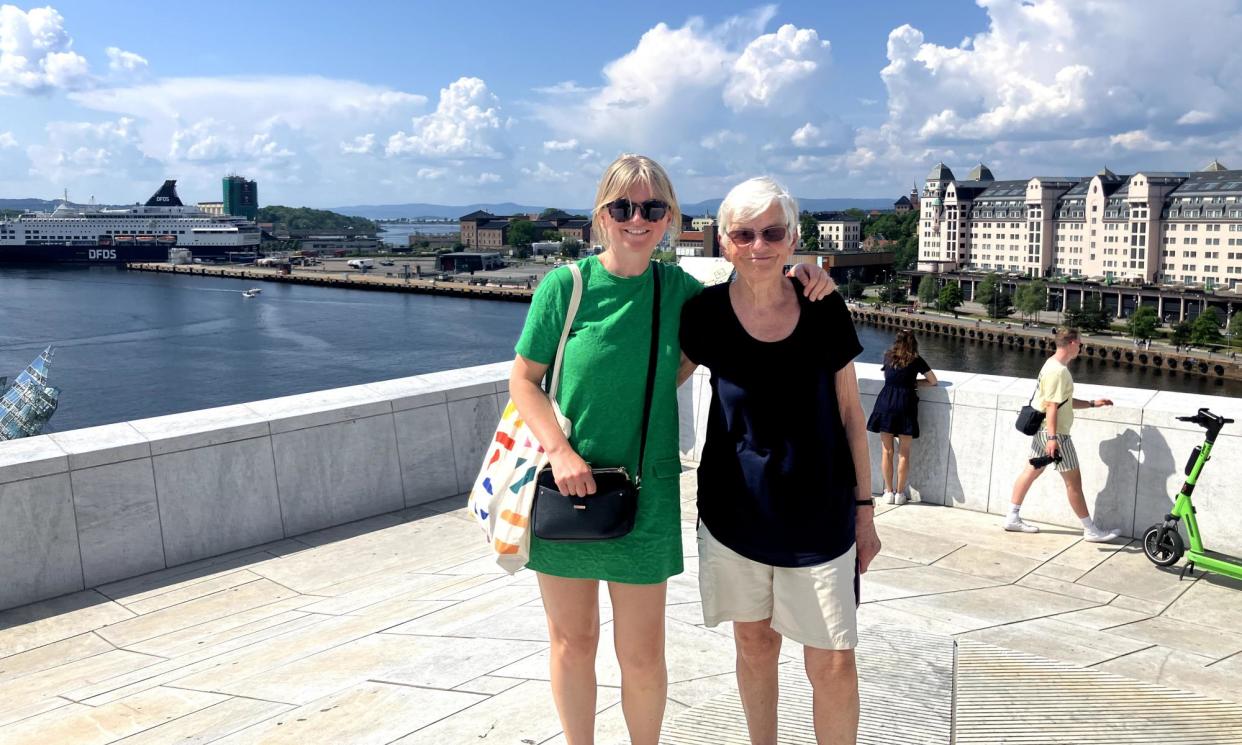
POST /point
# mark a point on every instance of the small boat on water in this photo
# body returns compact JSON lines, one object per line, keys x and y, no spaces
{"x":255,"y":290}
{"x":250,"y":293}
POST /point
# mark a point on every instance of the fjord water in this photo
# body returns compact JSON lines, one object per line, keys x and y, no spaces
{"x":131,"y":345}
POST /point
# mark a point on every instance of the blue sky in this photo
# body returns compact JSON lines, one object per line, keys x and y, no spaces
{"x":329,"y":103}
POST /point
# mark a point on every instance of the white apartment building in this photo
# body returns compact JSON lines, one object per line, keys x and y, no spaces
{"x":838,"y":231}
{"x":1153,"y":227}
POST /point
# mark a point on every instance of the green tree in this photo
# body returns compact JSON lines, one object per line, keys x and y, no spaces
{"x":1093,"y":316}
{"x":950,"y":298}
{"x":1181,"y":332}
{"x":1235,"y":328}
{"x":306,"y":220}
{"x":571,"y":247}
{"x":521,"y":233}
{"x":1032,"y":298}
{"x":665,"y":257}
{"x":1142,"y":322}
{"x":993,"y":297}
{"x":906,"y":253}
{"x":928,"y":291}
{"x":1205,"y":329}
{"x":894,"y":291}
{"x":854,"y":289}
{"x":810,"y":232}
{"x":549,"y":211}
{"x":551,"y":235}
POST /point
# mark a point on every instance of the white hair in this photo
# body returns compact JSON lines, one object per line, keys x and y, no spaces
{"x":753,"y":197}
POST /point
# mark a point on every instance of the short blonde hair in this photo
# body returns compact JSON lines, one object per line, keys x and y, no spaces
{"x":624,"y":173}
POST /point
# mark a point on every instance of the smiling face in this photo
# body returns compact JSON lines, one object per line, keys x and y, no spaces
{"x":637,"y":235}
{"x":762,"y":258}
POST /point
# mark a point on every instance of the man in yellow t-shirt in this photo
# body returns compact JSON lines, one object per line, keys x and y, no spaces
{"x":1053,"y":444}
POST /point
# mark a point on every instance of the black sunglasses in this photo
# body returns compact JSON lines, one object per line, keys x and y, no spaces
{"x":652,"y":210}
{"x":746,"y":236}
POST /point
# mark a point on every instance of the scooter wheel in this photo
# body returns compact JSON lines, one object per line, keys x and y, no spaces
{"x":1163,"y":546}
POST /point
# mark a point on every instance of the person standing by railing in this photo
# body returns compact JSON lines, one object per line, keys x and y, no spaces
{"x":895,"y":416}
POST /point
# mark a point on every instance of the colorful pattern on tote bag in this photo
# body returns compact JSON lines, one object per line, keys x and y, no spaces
{"x":504,"y":490}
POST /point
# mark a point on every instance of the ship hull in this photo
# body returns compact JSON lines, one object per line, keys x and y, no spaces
{"x":115,"y":254}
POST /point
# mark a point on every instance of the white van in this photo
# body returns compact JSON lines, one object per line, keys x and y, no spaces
{"x":361,"y":265}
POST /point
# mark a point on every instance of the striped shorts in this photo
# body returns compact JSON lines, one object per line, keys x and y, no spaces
{"x":1065,"y":448}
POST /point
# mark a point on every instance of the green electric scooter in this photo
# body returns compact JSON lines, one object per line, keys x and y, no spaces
{"x":1162,"y":542}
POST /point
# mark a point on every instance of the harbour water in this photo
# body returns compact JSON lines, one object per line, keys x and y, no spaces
{"x":131,"y":345}
{"x":398,"y":233}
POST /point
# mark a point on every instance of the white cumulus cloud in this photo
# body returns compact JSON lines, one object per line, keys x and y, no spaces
{"x":465,"y":124}
{"x":556,"y":145}
{"x":36,"y":54}
{"x":7,"y":140}
{"x":126,"y":63}
{"x":543,"y":172}
{"x":1051,"y":82}
{"x":431,"y":174}
{"x":359,"y":145}
{"x":83,"y":149}
{"x":774,"y":64}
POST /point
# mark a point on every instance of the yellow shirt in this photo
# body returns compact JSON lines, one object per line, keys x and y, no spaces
{"x":1057,"y":385}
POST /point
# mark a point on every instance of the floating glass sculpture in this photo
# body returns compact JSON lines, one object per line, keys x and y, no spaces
{"x":27,"y":405}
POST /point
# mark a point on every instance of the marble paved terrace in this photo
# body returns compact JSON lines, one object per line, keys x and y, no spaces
{"x":398,"y":629}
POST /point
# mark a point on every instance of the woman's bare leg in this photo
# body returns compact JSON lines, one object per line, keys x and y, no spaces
{"x":638,"y":633}
{"x":572,"y":607}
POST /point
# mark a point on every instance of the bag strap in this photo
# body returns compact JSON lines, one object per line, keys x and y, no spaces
{"x":575,"y":298}
{"x":651,"y":370}
{"x":1031,"y":400}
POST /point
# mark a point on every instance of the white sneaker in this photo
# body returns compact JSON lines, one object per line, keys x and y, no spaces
{"x":889,"y":497}
{"x":1016,"y":524}
{"x":900,"y":498}
{"x":1096,"y":534}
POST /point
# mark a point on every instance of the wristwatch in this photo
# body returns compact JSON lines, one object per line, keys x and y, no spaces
{"x":865,"y":502}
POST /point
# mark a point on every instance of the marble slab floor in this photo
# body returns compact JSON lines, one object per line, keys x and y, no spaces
{"x":399,"y":629}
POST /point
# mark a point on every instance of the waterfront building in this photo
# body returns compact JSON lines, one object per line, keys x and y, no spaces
{"x":482,"y":229}
{"x":865,"y":266}
{"x":902,"y":205}
{"x":838,"y":231}
{"x":1174,"y":228}
{"x":701,"y":242}
{"x":698,"y":223}
{"x":30,"y":402}
{"x":211,"y":208}
{"x":336,"y":243}
{"x":241,"y":197}
{"x":469,"y":261}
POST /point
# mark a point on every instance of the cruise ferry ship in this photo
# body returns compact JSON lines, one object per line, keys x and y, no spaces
{"x":78,"y":234}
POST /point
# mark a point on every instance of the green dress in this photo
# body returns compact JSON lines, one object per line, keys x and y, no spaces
{"x":603,"y":379}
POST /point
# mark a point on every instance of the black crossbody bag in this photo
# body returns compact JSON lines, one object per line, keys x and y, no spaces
{"x":1030,"y":419}
{"x":611,"y":510}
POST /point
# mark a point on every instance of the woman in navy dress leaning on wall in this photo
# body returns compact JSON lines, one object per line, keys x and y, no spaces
{"x":896,"y":413}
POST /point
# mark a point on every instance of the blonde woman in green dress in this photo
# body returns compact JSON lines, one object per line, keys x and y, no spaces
{"x":602,"y":388}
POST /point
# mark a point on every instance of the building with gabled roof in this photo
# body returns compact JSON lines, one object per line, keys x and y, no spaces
{"x":1177,"y":227}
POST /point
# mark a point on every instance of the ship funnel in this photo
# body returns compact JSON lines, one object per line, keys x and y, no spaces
{"x":166,"y":196}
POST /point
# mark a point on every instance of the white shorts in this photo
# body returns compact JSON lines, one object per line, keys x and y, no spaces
{"x":815,"y":606}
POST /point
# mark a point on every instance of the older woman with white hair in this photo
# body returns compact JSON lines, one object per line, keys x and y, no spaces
{"x":784,"y":499}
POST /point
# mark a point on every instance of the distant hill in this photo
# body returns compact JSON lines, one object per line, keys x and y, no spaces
{"x":27,"y":205}
{"x":419,"y":209}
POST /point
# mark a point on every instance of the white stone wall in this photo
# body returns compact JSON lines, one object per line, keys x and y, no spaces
{"x":91,"y":506}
